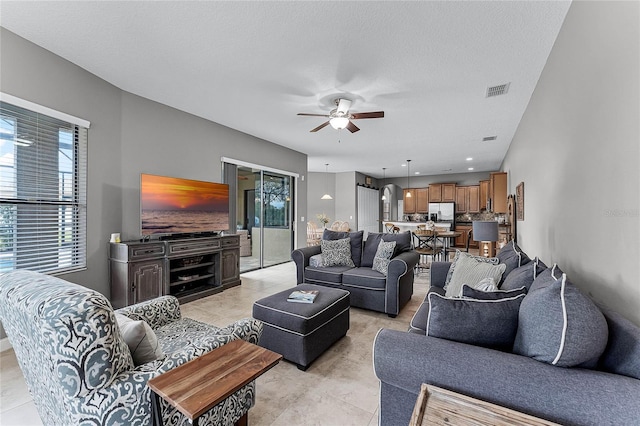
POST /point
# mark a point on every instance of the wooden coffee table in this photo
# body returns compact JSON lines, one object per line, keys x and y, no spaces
{"x":197,"y":386}
{"x":442,"y":407}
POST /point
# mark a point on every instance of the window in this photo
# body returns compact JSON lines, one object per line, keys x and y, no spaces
{"x":43,"y":208}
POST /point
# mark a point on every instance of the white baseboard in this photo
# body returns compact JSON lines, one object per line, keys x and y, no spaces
{"x":5,"y":345}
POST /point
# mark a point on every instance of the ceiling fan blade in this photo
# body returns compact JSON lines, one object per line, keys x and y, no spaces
{"x":352,"y":127}
{"x":358,"y":115}
{"x":323,"y":125}
{"x":313,"y":115}
{"x":343,"y":106}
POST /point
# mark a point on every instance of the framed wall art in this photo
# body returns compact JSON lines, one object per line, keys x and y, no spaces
{"x":520,"y":201}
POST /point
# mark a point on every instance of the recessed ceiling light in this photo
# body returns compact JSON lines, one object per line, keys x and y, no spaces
{"x":403,"y":165}
{"x":470,"y":168}
{"x":417,"y":173}
{"x":469,"y":158}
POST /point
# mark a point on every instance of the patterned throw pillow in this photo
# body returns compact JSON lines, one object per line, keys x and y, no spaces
{"x":142,"y":341}
{"x":383,"y":256}
{"x":336,"y":252}
{"x":470,"y":270}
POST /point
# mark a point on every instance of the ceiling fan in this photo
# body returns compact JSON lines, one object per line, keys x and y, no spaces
{"x":340,"y":117}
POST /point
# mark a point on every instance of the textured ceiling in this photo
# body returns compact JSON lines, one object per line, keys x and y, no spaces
{"x":252,"y":66}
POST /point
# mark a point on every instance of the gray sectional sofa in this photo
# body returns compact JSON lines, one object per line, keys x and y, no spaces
{"x":599,"y":350}
{"x":369,"y":288}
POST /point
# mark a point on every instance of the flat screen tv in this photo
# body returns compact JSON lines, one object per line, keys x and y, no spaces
{"x":170,"y":205}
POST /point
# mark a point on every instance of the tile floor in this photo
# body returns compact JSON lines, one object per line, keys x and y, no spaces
{"x":339,"y":388}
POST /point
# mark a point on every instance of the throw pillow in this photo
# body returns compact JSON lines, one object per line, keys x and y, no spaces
{"x":561,"y":326}
{"x":485,"y":284}
{"x":142,"y":341}
{"x":355,"y":238}
{"x":512,"y":256}
{"x":336,"y":252}
{"x":488,"y":323}
{"x":402,"y":239}
{"x":383,"y":256}
{"x":316,"y":261}
{"x":473,"y":293}
{"x":546,"y":278}
{"x":524,"y":275}
{"x":470,"y":270}
{"x":458,"y":255}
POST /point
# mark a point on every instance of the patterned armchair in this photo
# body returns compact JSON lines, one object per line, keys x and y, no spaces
{"x":77,"y":366}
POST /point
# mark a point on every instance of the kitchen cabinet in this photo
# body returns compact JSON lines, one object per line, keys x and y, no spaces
{"x":435,"y":193}
{"x":484,"y":194}
{"x":409,"y":205}
{"x":461,"y":241}
{"x":473,"y":199}
{"x":468,"y":199}
{"x":498,"y":192}
{"x":448,"y":192}
{"x":422,"y":200}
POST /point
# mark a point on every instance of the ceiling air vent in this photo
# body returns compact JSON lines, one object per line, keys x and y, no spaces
{"x":489,"y":138}
{"x":501,"y":89}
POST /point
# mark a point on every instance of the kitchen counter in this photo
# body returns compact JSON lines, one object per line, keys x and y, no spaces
{"x":411,"y":226}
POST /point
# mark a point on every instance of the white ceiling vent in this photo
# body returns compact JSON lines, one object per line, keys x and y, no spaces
{"x":501,"y":89}
{"x":489,"y":138}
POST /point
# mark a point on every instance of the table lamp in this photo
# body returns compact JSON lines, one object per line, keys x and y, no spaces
{"x":486,"y":232}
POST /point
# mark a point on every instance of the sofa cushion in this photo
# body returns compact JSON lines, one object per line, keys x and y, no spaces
{"x":140,"y":339}
{"x":473,"y":293}
{"x":364,"y":278}
{"x":512,"y":256}
{"x":622,"y":354}
{"x":561,"y":326}
{"x":336,"y":252}
{"x":402,"y":239}
{"x":488,"y":323}
{"x":330,"y":274}
{"x":452,"y":265}
{"x":383,"y":256}
{"x":468,"y":269}
{"x":523,"y":275}
{"x":355,"y":239}
{"x":316,"y":261}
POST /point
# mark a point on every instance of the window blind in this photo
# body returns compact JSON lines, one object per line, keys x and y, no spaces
{"x":43,"y":207}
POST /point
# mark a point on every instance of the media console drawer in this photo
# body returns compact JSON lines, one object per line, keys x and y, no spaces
{"x":180,"y":247}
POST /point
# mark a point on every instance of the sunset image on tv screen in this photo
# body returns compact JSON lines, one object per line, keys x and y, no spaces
{"x":171,"y":205}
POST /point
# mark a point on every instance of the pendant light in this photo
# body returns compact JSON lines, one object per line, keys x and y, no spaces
{"x":384,"y":180}
{"x":326,"y":195}
{"x":408,"y":172}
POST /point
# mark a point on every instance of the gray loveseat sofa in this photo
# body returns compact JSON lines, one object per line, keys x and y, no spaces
{"x":369,"y":289}
{"x":604,"y":390}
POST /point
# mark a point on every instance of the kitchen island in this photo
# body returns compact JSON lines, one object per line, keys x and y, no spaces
{"x":412,"y":226}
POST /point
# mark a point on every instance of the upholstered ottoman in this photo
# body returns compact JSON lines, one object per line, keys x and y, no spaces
{"x":301,"y":332}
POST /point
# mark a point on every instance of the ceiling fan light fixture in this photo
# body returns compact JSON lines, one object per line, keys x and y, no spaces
{"x":339,"y":123}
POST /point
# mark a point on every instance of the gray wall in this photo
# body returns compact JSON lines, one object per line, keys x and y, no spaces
{"x":317,"y":185}
{"x":577,"y":152}
{"x":158,"y":139}
{"x":457,"y":178}
{"x":130,"y":135}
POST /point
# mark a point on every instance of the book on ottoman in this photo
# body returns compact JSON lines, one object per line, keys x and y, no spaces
{"x":302,"y":296}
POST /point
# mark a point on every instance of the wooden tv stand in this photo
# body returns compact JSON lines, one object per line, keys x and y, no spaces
{"x":188,"y":268}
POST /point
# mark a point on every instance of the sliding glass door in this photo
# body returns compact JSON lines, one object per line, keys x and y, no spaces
{"x":264,"y":217}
